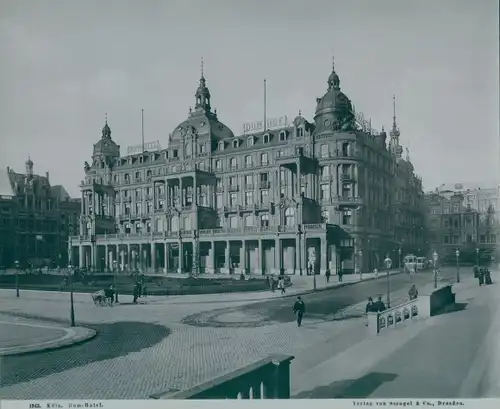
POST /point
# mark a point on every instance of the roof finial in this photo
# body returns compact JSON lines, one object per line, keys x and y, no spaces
{"x":202,"y":67}
{"x":106,"y":117}
{"x":300,"y":112}
{"x":333,"y":60}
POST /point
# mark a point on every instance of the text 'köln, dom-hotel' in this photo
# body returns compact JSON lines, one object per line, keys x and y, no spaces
{"x":307,"y":196}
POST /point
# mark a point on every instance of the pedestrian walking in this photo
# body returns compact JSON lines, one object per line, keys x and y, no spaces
{"x":327,"y":275}
{"x":370,"y":307}
{"x":299,"y":309}
{"x":340,"y":274}
{"x":413,"y":293}
{"x":281,"y":285}
{"x":487,"y":277}
{"x":375,"y":272}
{"x":136,"y":292}
{"x":477,"y":274}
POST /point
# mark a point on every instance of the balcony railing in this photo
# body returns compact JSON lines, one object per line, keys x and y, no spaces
{"x":268,"y":378}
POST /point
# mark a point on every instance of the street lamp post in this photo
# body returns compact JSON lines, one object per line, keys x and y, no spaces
{"x":477,"y":256}
{"x":115,"y":272}
{"x":388,"y":264}
{"x":435,"y":258}
{"x":72,"y":310}
{"x":18,"y":266}
{"x":360,"y":259}
{"x":457,"y":253}
{"x":400,"y":252}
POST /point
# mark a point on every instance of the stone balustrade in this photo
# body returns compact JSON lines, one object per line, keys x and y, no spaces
{"x":423,"y":307}
{"x":205,"y":232}
{"x":268,"y":378}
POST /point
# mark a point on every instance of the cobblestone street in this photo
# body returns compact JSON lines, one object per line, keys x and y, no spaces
{"x":143,"y":349}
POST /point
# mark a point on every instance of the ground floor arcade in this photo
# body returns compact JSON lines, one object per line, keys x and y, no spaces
{"x":294,"y":255}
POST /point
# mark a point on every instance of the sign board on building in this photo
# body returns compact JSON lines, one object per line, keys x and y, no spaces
{"x":39,"y":237}
{"x":364,"y":124}
{"x":272,"y":123}
{"x":148,"y":146}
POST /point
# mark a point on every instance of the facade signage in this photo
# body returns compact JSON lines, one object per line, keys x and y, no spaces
{"x":148,"y":146}
{"x":364,"y":124}
{"x":272,"y":123}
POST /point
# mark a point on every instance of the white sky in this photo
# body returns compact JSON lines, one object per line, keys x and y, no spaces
{"x":65,"y":63}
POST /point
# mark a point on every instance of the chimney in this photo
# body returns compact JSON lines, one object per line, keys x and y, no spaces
{"x":8,"y":169}
{"x":47,"y":176}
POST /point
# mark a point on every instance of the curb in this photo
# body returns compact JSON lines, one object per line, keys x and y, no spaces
{"x":340,"y":285}
{"x":85,"y":334}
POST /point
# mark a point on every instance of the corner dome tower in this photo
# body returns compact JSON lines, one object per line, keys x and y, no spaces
{"x":106,"y":150}
{"x":202,"y":121}
{"x":334,"y":110}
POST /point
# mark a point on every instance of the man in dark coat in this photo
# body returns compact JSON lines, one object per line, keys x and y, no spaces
{"x":299,"y":308}
{"x":370,"y":307}
{"x":379,"y":305}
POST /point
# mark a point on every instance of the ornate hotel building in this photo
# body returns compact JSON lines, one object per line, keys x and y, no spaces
{"x":306,"y":196}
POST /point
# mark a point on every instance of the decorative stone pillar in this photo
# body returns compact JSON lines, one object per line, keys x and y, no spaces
{"x":259,"y":255}
{"x":227,"y":258}
{"x":181,"y":258}
{"x":323,"y":256}
{"x":277,"y":255}
{"x":80,"y":256}
{"x":153,"y":256}
{"x":210,"y":264}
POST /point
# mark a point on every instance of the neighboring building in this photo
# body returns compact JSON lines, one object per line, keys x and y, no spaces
{"x":36,"y":219}
{"x":464,"y":219}
{"x":410,"y":235}
{"x":305,"y":195}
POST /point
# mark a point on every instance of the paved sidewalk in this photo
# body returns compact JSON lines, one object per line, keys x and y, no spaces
{"x":19,"y":336}
{"x":449,"y":355}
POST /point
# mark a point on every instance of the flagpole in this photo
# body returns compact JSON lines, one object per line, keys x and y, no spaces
{"x":142,"y":128}
{"x":265,"y":105}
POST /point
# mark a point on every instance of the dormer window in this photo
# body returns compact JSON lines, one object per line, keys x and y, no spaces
{"x":300,"y":132}
{"x":165,"y":155}
{"x":130,"y":161}
{"x":236,"y":143}
{"x":221,"y":145}
{"x":267,"y":138}
{"x":141,"y":159}
{"x":250,"y":141}
{"x":175,"y":153}
{"x":282,"y":136}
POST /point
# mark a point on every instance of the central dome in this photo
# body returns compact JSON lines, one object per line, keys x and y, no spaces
{"x":202,"y":120}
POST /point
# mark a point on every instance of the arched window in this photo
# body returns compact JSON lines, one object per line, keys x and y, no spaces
{"x":221,"y":145}
{"x":235,"y":143}
{"x":300,"y":132}
{"x":250,"y":141}
{"x":290,"y":216}
{"x":282,"y":136}
{"x":174,"y":223}
{"x":267,"y":138}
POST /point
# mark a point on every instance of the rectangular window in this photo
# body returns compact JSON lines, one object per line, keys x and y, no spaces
{"x":346,"y":190}
{"x":248,"y":180}
{"x":446,"y":209}
{"x":218,"y":200}
{"x":346,"y":216}
{"x":264,"y":159}
{"x":249,"y":221}
{"x":248,"y":161}
{"x":325,"y":172}
{"x":233,"y":199}
{"x":218,"y":165}
{"x":455,"y":208}
{"x":233,"y":222}
{"x":232,"y":163}
{"x":325,"y":192}
{"x":324,"y":151}
{"x":264,"y":220}
{"x":248,"y":198}
{"x":233,"y":181}
{"x":264,"y":196}
{"x":186,"y":223}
